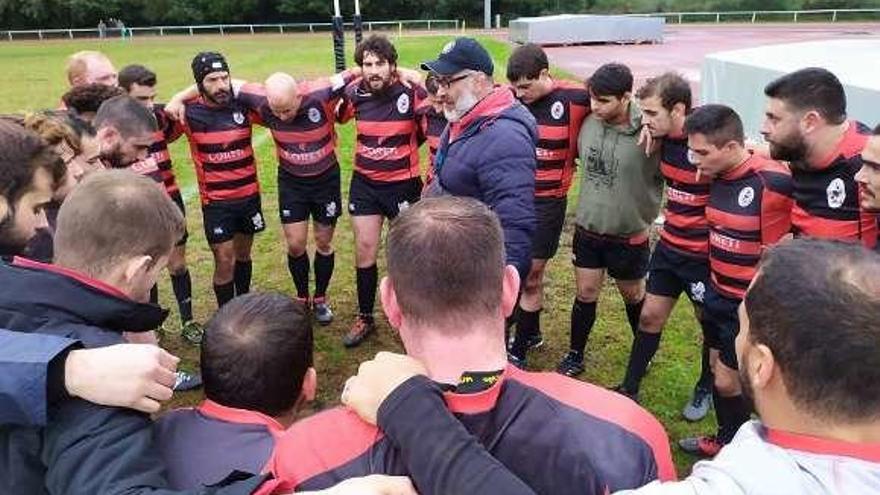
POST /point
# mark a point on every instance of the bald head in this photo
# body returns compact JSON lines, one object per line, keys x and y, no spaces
{"x":282,"y":95}
{"x":90,"y":67}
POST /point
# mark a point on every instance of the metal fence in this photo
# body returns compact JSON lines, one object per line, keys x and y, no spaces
{"x":223,"y":29}
{"x":815,"y":15}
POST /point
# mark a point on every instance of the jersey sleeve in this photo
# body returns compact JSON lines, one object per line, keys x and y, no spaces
{"x":345,"y":110}
{"x":776,"y":205}
{"x":252,"y":96}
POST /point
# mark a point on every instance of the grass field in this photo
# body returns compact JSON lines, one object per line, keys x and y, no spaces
{"x":33,"y":78}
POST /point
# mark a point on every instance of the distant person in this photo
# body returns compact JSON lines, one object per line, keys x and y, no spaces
{"x":90,"y":67}
{"x":102,"y":29}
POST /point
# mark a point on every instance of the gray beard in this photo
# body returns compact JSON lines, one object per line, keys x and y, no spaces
{"x":463,"y":105}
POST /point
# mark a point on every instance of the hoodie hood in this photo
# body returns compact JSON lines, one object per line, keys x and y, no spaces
{"x":35,"y":295}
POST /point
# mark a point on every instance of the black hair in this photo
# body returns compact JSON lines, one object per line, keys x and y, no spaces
{"x":379,"y":46}
{"x":812,"y":88}
{"x":526,"y":62}
{"x":611,"y":80}
{"x":719,"y":123}
{"x":136,"y":74}
{"x":126,"y":115}
{"x":815,"y":304}
{"x":256,"y":351}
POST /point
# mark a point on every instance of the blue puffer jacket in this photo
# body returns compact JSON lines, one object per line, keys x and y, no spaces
{"x":490,"y":155}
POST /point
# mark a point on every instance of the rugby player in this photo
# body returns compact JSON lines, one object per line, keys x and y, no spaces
{"x":680,"y":260}
{"x":619,"y":199}
{"x":386,"y":177}
{"x":140,"y":83}
{"x":432,"y":123}
{"x":805,"y":124}
{"x":749,"y":210}
{"x":559,"y":107}
{"x":868,"y":176}
{"x":219,"y":130}
{"x":90,"y":67}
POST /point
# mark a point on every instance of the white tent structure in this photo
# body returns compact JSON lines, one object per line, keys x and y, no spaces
{"x":737,"y":77}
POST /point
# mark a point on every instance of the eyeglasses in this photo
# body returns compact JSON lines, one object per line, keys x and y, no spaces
{"x":446,"y":82}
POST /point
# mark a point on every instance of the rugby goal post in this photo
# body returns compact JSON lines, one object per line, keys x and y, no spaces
{"x":338,"y":38}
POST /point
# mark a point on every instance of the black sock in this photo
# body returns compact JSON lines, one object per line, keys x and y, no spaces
{"x":243,"y":271}
{"x":299,"y":270}
{"x":633,"y":313}
{"x":731,"y":413}
{"x":367,"y":280}
{"x":323,"y":272}
{"x":224,"y":292}
{"x":583,"y":315}
{"x":154,"y":294}
{"x":644,"y":347}
{"x":527,"y":324}
{"x":706,"y":377}
{"x":181,"y":284}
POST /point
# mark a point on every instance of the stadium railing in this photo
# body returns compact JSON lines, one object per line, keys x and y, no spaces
{"x":755,"y":16}
{"x":224,"y":29}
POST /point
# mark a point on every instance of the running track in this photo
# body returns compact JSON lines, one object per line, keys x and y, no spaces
{"x":684,"y":47}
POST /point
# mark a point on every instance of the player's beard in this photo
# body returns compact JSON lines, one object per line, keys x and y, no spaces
{"x":12,"y":242}
{"x":748,"y":393}
{"x":378,"y":84}
{"x":113,"y":158}
{"x":220,"y":96}
{"x":465,"y":102}
{"x":793,"y":150}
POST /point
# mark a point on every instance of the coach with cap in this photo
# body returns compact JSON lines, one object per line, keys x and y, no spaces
{"x":488,"y":150}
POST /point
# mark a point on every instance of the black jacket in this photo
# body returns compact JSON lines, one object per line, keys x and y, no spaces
{"x":84,"y":448}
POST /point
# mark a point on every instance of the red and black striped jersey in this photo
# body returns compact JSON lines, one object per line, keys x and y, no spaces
{"x":305,"y":144}
{"x":168,"y":132}
{"x":221,"y":149}
{"x":559,"y":115}
{"x":827,"y":197}
{"x":431,"y":125}
{"x":685,"y":227}
{"x":749,"y":209}
{"x":543,"y":427}
{"x":387,"y":148}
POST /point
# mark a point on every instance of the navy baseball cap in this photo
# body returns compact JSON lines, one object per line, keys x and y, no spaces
{"x":461,"y":54}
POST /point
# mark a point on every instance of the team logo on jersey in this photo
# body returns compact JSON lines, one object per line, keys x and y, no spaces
{"x":557,"y":109}
{"x":330,"y":209}
{"x":836,"y":193}
{"x":698,"y":291}
{"x":692,"y":157}
{"x":257,"y":220}
{"x":746,"y":196}
{"x":403,"y":103}
{"x":403,"y":205}
{"x":238,"y":117}
{"x":448,"y":47}
{"x":314,"y":115}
